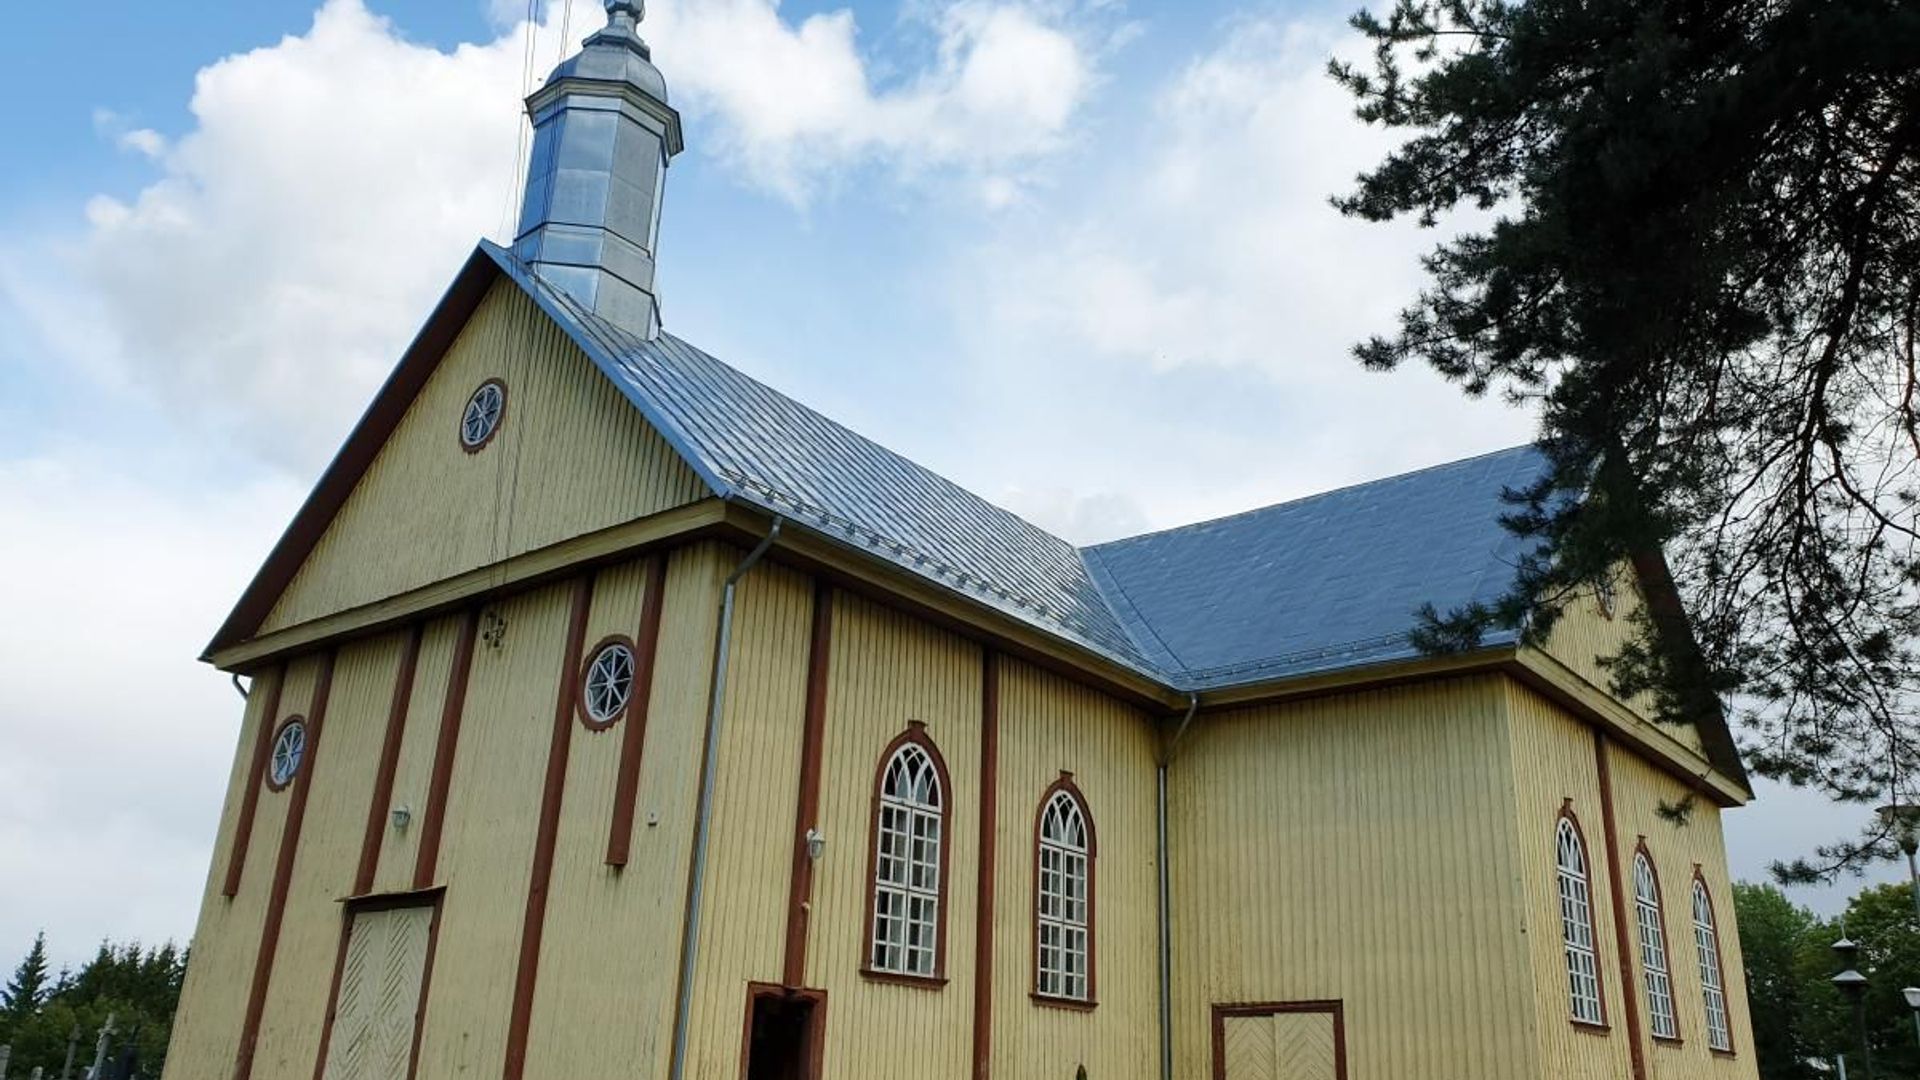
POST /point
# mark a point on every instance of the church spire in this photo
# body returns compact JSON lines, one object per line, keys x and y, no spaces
{"x":603,"y":135}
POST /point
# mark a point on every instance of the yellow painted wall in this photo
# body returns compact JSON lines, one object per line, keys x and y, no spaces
{"x":1639,"y":790}
{"x":493,"y":812}
{"x":889,"y":668}
{"x":340,"y":772}
{"x":610,"y":951}
{"x":213,"y":1002}
{"x":413,"y":772}
{"x":1359,"y":847}
{"x":1049,"y":725}
{"x":572,"y":456}
{"x":1554,"y":760}
{"x":1585,"y":636}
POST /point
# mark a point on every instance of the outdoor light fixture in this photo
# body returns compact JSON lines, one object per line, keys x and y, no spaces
{"x":1905,"y":823}
{"x":1912,"y":994}
{"x":816,"y":844}
{"x":1853,"y":986}
{"x":402,"y":817}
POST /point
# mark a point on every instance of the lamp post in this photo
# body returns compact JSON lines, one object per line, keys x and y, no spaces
{"x":1853,"y":986}
{"x":1904,"y":821}
{"x":1912,"y":994}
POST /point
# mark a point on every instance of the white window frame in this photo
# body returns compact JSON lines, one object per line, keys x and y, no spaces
{"x":909,"y":835}
{"x":607,"y":687}
{"x":481,"y":417}
{"x":1585,"y":1001}
{"x":289,"y":753}
{"x":1706,"y":940}
{"x":1063,"y":899}
{"x":1654,"y":963}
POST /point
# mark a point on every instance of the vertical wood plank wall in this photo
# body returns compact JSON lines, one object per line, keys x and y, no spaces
{"x":572,"y":456}
{"x":887,"y":669}
{"x":1049,"y":725}
{"x":340,"y":778}
{"x":1554,"y":760}
{"x":1358,"y":848}
{"x":1585,"y":636}
{"x":207,"y":1024}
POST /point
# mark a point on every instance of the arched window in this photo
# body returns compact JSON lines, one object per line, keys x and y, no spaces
{"x":1706,"y":939}
{"x":1576,"y":923}
{"x":1652,"y":925}
{"x":906,"y":923}
{"x":1063,"y":896}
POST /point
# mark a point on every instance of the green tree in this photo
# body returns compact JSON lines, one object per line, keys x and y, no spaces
{"x":27,"y":990}
{"x":1701,"y":261}
{"x":138,"y":987}
{"x":1773,"y":934}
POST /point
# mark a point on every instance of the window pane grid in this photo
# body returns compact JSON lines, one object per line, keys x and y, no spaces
{"x":1653,"y":951}
{"x":1063,"y":912}
{"x":906,"y":902}
{"x":1706,"y":941}
{"x":1576,"y":928}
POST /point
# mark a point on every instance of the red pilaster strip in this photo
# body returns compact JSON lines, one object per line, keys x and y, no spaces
{"x":1623,"y":942}
{"x":427,"y":859}
{"x":389,"y":762}
{"x":301,"y":784}
{"x":806,"y":812}
{"x":534,"y":925}
{"x":989,"y":829}
{"x":256,"y":777}
{"x":633,"y":741}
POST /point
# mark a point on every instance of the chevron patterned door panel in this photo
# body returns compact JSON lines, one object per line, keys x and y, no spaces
{"x":379,"y":993}
{"x":1303,"y":1041}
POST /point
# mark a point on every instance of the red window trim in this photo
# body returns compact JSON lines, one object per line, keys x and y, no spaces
{"x":580,"y":683}
{"x":1640,"y":851}
{"x":1593,"y":923}
{"x":459,"y":432}
{"x":1719,"y":957}
{"x":915,"y":734}
{"x":1087,"y":1004}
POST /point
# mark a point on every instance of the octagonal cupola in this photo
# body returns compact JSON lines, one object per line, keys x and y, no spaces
{"x":603,"y":135}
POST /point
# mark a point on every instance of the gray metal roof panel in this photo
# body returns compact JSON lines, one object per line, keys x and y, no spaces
{"x":1320,"y":583}
{"x":749,"y":442}
{"x":1314,"y":585}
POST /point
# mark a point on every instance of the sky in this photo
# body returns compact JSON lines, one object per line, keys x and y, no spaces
{"x":1076,"y":255}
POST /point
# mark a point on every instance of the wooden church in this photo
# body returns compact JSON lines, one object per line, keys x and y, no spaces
{"x":613,"y":716}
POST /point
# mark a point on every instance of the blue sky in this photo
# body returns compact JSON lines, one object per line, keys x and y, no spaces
{"x":1075,"y":254}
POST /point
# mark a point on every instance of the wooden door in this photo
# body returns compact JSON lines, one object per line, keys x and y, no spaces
{"x":1289,"y":1041}
{"x":381,"y":977}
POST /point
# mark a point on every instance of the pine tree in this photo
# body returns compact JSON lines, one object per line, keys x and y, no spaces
{"x":27,"y":990}
{"x":1700,"y":260}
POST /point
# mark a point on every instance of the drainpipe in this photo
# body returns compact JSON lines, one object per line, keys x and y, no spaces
{"x":1166,"y":888}
{"x":710,"y":766}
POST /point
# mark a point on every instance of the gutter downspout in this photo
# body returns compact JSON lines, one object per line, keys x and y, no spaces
{"x":1166,"y":888}
{"x":710,"y":767}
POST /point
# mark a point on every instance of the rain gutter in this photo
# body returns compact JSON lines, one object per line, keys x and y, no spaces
{"x":709,"y":770}
{"x":1166,"y":889}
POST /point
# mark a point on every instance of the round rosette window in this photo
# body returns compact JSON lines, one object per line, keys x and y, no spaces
{"x":289,"y":750}
{"x":481,"y":418}
{"x":608,"y":684}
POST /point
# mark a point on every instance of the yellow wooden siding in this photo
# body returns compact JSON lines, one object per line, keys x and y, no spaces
{"x":1585,"y":636}
{"x":1362,"y":848}
{"x":206,"y":1028}
{"x":1553,"y":762}
{"x":339,"y":779}
{"x":610,"y":949}
{"x":1049,"y":725}
{"x":1639,"y":790}
{"x":889,"y":668}
{"x":419,"y":740}
{"x":380,"y":984}
{"x":487,"y":846}
{"x":572,"y":456}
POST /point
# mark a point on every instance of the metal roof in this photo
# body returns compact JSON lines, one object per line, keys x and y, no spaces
{"x":1321,"y":583}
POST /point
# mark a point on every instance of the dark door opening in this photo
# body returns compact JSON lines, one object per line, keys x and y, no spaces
{"x":783,"y":1035}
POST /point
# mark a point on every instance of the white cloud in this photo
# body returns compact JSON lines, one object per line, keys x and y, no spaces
{"x":114,"y":746}
{"x":332,"y":181}
{"x":1080,"y":519}
{"x":1202,"y":250}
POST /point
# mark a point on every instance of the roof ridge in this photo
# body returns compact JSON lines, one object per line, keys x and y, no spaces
{"x":1298,"y":499}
